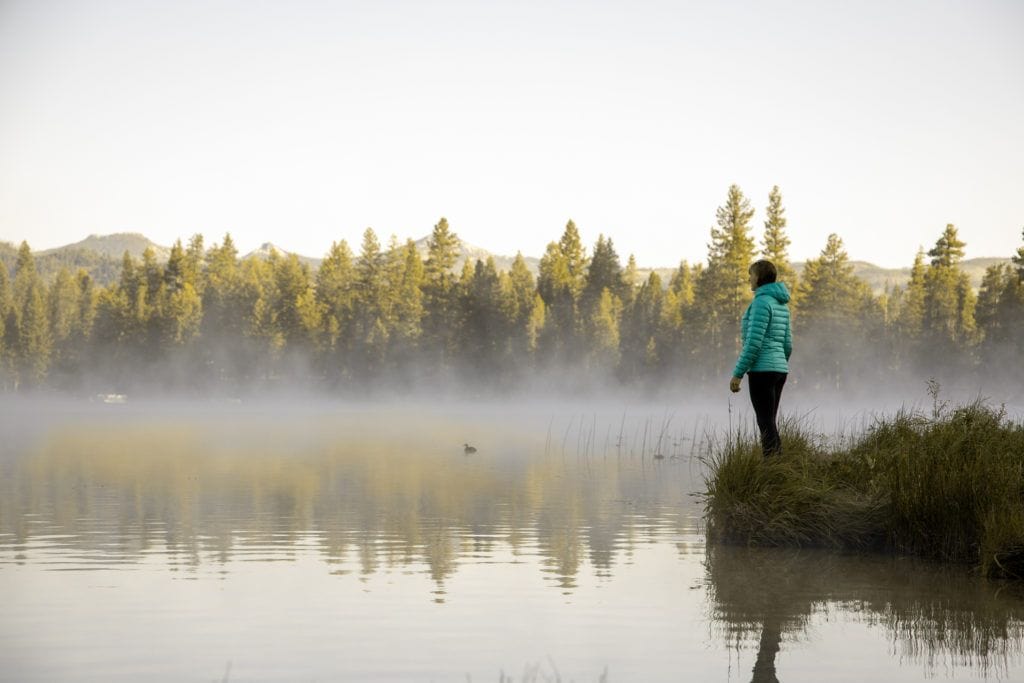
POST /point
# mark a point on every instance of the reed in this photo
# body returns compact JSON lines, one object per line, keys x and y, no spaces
{"x":948,"y":486}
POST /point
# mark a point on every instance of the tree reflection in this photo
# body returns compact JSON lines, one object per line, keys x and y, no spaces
{"x":383,"y":502}
{"x":935,"y":614}
{"x":365,"y":503}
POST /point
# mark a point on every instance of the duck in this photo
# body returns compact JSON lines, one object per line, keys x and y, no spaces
{"x":467,"y":449}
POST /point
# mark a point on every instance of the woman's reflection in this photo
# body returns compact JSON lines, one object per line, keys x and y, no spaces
{"x":928,"y":609}
{"x":764,"y":666}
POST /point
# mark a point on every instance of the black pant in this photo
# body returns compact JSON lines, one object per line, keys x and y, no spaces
{"x":765,"y":392}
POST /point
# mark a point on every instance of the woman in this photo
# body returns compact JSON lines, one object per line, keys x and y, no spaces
{"x":767,"y":345}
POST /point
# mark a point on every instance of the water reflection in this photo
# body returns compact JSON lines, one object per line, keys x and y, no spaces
{"x":210,"y":494}
{"x":939,"y":616}
{"x":367,"y":497}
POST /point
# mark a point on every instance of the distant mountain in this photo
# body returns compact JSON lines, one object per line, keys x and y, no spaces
{"x":115,"y":245}
{"x":878,"y":277}
{"x":98,"y":255}
{"x":267,"y":248}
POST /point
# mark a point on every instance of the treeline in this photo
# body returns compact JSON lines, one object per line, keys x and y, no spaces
{"x":102,"y":268}
{"x":206,"y":319}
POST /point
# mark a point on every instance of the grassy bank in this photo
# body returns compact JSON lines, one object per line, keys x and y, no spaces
{"x":948,"y":486}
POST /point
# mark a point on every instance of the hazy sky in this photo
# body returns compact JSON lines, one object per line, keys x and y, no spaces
{"x":305,"y":122}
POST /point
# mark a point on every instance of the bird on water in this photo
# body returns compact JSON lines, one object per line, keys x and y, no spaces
{"x":467,"y":449}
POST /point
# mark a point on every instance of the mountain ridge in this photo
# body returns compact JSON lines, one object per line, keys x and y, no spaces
{"x":114,"y":245}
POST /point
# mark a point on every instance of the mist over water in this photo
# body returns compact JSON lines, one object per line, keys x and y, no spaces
{"x":316,"y":539}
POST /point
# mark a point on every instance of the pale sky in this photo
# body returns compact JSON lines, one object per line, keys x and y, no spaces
{"x":305,"y":122}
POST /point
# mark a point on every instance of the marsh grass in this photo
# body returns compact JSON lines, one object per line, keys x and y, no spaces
{"x":947,"y":486}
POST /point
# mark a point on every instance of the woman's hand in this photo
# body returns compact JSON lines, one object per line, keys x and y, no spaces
{"x":734,"y":385}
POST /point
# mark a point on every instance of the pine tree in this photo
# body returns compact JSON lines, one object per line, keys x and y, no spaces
{"x":335,"y":293}
{"x":911,"y":320}
{"x":535,"y":326}
{"x":603,"y":334}
{"x":993,"y":285}
{"x":225,"y":348}
{"x":1000,"y":317}
{"x":833,"y":313}
{"x":601,"y":304}
{"x":1012,"y":301}
{"x":173,"y":307}
{"x":551,"y":278}
{"x":256,"y":294}
{"x":681,"y":283}
{"x":831,"y":290}
{"x":439,"y":295}
{"x":482,"y":330}
{"x":69,"y":312}
{"x":32,"y":338}
{"x":192,"y":267}
{"x":732,"y":249}
{"x":723,"y":288}
{"x":521,"y":300}
{"x":604,"y":272}
{"x":88,"y":298}
{"x":153,"y":275}
{"x":64,"y":311}
{"x":405,"y":274}
{"x":560,"y":285}
{"x":775,"y":243}
{"x":24,"y":275}
{"x":34,"y":341}
{"x":5,"y":291}
{"x":949,"y":249}
{"x":6,"y":307}
{"x":948,"y":318}
{"x":176,"y":268}
{"x":143,"y":326}
{"x":295,"y":312}
{"x":571,"y":248}
{"x":966,"y":324}
{"x":223,"y":314}
{"x":675,"y":351}
{"x":183,"y":312}
{"x":117,"y":332}
{"x":370,"y":324}
{"x":630,"y":279}
{"x":1018,"y":260}
{"x":129,"y":279}
{"x":639,"y":329}
{"x":221,"y":269}
{"x":1011,"y":320}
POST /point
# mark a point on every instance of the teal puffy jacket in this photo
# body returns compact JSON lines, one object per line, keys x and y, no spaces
{"x":767,"y":339}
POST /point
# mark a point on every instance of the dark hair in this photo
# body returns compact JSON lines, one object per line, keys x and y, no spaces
{"x":764,"y":271}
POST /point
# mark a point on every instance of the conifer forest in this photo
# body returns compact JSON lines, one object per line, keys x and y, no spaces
{"x":207,"y":320}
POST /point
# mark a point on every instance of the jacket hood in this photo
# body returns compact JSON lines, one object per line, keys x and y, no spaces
{"x":774,"y":289}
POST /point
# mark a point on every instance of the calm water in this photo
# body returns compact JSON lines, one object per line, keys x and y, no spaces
{"x":250,"y":543}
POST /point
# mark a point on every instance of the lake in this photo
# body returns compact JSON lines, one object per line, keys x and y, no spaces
{"x":289,"y":542}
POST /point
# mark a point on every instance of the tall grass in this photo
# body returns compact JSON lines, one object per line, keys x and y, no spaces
{"x":948,"y":486}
